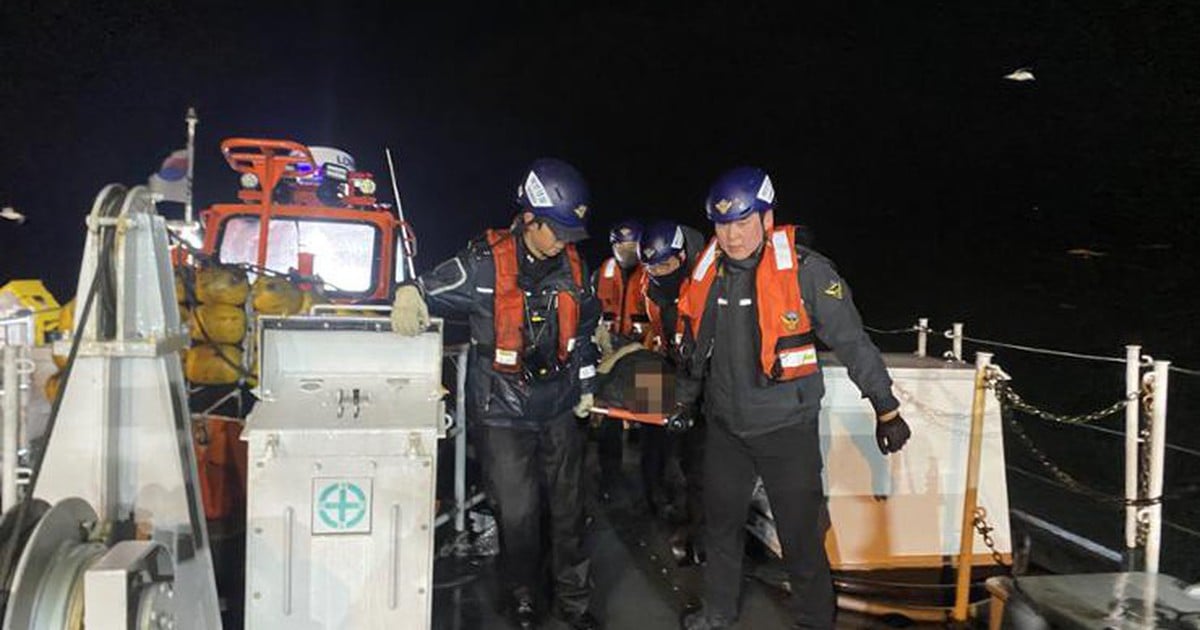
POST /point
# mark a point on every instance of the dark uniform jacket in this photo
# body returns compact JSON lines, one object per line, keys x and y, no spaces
{"x":737,"y":394}
{"x":465,"y":285}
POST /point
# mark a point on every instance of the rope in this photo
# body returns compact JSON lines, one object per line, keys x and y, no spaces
{"x":893,"y":331}
{"x":1036,"y":350}
{"x":1183,"y":370}
{"x":1171,"y":447}
{"x":1111,"y":502}
{"x":949,"y":334}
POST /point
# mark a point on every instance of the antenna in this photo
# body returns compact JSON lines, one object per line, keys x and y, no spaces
{"x":404,"y":229}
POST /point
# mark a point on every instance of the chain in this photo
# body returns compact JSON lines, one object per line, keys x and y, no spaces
{"x":950,"y":421}
{"x":1010,"y":400}
{"x":985,"y":531}
{"x":1007,"y":395}
{"x":1059,"y":474}
{"x":1143,"y":520}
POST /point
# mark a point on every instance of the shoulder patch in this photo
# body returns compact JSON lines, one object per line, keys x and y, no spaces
{"x":834,"y":290}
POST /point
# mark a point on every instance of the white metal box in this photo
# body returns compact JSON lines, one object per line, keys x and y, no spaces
{"x":343,"y":450}
{"x":905,"y":509}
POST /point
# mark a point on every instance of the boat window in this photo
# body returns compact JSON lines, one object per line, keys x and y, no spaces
{"x":343,"y":253}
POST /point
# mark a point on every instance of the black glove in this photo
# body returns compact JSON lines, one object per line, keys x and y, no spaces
{"x":891,"y":434}
{"x":681,"y":419}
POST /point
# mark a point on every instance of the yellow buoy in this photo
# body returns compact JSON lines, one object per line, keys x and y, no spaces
{"x":222,"y":285}
{"x":217,"y":323}
{"x":213,"y":364}
{"x":276,"y":296}
{"x":50,"y":389}
{"x":66,"y":321}
{"x":181,"y":279}
{"x":66,"y":317}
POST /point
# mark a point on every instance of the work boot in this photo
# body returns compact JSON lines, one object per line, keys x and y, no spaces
{"x":524,"y":611}
{"x":702,"y":620}
{"x":686,"y":551}
{"x":579,"y":620}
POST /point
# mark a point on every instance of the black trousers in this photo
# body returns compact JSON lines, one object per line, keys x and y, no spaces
{"x":656,"y":450}
{"x":610,"y":448}
{"x":525,"y":470}
{"x":672,"y":471}
{"x":789,"y":462}
{"x":689,"y":449}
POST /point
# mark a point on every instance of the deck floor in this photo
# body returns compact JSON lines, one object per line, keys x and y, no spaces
{"x":637,"y":585}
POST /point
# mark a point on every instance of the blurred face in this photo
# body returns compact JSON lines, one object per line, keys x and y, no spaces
{"x":540,"y":239}
{"x":666,"y":267}
{"x":626,"y":253}
{"x":740,"y":239}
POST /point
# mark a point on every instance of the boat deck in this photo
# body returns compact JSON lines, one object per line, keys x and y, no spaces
{"x":638,"y":585}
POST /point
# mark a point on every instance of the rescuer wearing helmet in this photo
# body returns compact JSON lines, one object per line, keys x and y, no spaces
{"x":532,"y":316}
{"x":667,"y":250}
{"x":753,"y":308}
{"x":623,"y":320}
{"x":618,"y":285}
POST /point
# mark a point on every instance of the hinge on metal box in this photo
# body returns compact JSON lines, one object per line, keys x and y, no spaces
{"x":355,"y":398}
{"x":416,"y":447}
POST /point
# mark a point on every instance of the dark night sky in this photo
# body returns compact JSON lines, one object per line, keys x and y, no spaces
{"x":938,"y":187}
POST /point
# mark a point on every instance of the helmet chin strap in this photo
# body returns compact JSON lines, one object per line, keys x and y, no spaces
{"x":762,"y":243}
{"x":530,"y":246}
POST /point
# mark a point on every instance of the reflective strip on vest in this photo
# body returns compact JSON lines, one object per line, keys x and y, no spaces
{"x":706,"y":261}
{"x":786,"y":342}
{"x":798,"y":357}
{"x":785,"y":252}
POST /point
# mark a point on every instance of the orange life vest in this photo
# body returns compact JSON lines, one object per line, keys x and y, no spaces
{"x":786,"y":348}
{"x":221,"y":460}
{"x":509,"y":304}
{"x":624,"y":311}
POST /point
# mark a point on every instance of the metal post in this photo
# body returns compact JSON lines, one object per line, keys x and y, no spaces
{"x":191,"y":120}
{"x":405,"y":250}
{"x":957,"y":340}
{"x":460,"y":440}
{"x":8,"y":485}
{"x":971,"y":495}
{"x":1133,"y":357}
{"x":1158,"y":448}
{"x":922,"y":335}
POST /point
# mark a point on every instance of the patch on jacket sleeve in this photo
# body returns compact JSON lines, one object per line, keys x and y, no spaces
{"x":834,"y":290}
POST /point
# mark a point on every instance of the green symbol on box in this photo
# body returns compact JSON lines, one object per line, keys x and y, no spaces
{"x":342,"y":505}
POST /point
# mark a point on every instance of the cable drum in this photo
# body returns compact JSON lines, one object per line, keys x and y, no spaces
{"x":47,"y":589}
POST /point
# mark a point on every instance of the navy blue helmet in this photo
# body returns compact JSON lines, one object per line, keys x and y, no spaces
{"x":660,"y":241}
{"x":554,"y":190}
{"x":739,"y":193}
{"x":627,"y":231}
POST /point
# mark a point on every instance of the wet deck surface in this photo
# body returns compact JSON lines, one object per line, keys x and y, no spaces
{"x":638,"y":585}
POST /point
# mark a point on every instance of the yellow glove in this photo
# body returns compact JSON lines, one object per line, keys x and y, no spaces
{"x":603,"y":340}
{"x":410,"y":315}
{"x":584,"y":407}
{"x":610,"y":361}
